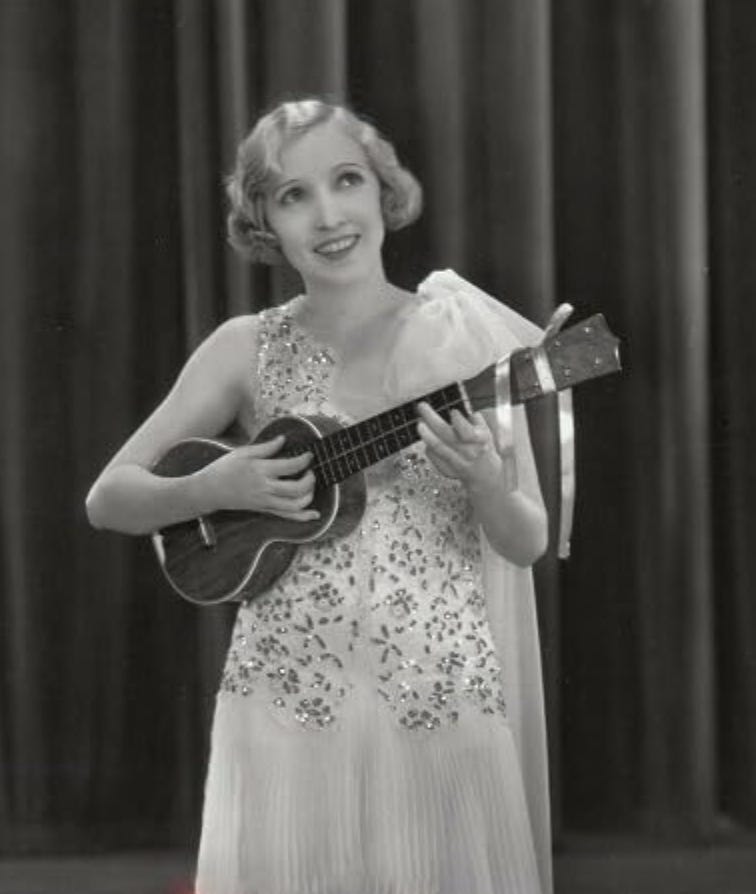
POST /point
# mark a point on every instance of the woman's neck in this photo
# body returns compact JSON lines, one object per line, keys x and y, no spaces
{"x":336,"y":310}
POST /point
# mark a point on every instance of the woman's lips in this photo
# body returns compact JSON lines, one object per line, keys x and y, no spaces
{"x":337,"y":248}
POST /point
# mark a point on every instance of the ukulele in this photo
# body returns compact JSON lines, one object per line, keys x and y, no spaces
{"x":236,"y":555}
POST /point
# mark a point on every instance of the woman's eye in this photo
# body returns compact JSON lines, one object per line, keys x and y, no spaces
{"x":291,"y":195}
{"x":351,"y":178}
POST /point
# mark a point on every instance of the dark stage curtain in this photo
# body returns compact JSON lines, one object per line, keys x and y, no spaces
{"x":600,"y":152}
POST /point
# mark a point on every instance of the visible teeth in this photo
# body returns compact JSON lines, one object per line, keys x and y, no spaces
{"x":338,"y":245}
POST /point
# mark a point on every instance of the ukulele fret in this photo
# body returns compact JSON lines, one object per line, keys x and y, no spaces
{"x":352,"y":449}
{"x":447,"y":399}
{"x":322,"y":467}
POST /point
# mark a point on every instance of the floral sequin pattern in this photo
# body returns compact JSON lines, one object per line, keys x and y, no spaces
{"x":294,"y":371}
{"x":399,"y":599}
{"x":433,"y":655}
{"x":289,"y":644}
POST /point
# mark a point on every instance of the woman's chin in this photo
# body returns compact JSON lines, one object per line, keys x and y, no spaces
{"x":341,"y":272}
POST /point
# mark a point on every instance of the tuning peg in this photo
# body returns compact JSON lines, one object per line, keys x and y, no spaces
{"x":558,"y":319}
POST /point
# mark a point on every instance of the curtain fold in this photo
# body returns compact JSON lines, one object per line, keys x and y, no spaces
{"x":664,"y":251}
{"x":442,"y":119}
{"x":103,"y":257}
{"x":731,"y":55}
{"x":201,"y":135}
{"x":599,"y":152}
{"x":597,"y":668}
{"x":22,"y":791}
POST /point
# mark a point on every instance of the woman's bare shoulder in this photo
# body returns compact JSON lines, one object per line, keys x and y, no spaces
{"x":223,"y":364}
{"x":231,"y":341}
{"x":241,"y":328}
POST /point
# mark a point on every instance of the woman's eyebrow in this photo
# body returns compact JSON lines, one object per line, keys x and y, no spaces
{"x":349,"y":164}
{"x":277,"y":187}
{"x":288,"y":182}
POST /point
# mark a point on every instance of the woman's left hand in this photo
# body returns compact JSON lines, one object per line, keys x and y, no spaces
{"x":462,"y":449}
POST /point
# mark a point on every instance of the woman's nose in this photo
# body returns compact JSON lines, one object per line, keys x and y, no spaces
{"x":328,"y":211}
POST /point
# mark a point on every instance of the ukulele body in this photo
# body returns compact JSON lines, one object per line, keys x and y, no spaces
{"x":234,"y":555}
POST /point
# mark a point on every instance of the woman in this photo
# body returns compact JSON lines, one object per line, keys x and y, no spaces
{"x":368,"y":735}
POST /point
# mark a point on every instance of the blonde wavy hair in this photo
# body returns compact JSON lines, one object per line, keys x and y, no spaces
{"x":258,"y":164}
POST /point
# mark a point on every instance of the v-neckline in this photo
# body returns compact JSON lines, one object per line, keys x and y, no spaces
{"x":338,"y":368}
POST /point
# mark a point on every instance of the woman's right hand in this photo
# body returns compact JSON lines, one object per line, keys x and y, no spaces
{"x":251,"y":478}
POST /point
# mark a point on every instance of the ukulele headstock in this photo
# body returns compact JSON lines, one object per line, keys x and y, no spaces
{"x":582,"y":352}
{"x":585,"y":351}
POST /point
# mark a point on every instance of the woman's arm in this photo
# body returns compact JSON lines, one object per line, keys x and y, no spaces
{"x":503,"y":486}
{"x":207,"y":396}
{"x":507,"y":499}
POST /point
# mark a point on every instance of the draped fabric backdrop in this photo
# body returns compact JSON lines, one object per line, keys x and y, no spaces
{"x":601,"y":152}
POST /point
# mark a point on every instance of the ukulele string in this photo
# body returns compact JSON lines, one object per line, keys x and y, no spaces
{"x":320,"y":465}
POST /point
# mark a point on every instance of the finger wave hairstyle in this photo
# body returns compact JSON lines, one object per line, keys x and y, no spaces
{"x":258,"y":164}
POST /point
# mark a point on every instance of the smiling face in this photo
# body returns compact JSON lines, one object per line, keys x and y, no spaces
{"x":325,"y":208}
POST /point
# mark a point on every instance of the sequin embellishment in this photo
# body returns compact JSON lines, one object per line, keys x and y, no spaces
{"x":399,"y":600}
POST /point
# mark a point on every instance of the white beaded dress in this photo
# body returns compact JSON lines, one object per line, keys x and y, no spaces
{"x":379,"y":723}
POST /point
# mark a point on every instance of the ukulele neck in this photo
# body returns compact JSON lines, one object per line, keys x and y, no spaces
{"x":350,"y":450}
{"x":575,"y":355}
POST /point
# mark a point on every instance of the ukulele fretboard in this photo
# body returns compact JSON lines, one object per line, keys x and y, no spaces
{"x":356,"y":447}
